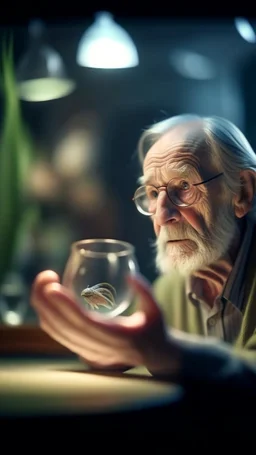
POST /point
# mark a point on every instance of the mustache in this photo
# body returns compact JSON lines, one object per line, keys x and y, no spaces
{"x":180,"y":232}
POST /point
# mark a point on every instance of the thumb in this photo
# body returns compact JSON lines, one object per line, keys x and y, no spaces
{"x":144,"y":297}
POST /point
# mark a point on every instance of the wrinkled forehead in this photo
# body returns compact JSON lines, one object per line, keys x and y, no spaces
{"x":182,"y":143}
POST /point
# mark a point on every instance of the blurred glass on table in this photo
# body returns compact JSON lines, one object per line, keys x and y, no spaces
{"x":97,"y":270}
{"x":13,"y":300}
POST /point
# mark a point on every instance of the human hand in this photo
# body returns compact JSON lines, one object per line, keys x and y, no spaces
{"x":119,"y":343}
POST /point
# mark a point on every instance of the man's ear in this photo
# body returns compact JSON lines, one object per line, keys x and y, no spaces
{"x":243,"y":200}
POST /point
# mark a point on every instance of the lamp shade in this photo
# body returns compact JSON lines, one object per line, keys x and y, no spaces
{"x":105,"y":44}
{"x":41,"y":74}
{"x":245,"y":29}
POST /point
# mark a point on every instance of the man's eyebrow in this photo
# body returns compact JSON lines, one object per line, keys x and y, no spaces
{"x":181,"y":171}
{"x":145,"y":181}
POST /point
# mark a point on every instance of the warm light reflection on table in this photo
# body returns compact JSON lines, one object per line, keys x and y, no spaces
{"x":38,"y":387}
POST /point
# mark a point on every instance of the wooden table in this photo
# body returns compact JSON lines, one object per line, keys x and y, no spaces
{"x":46,"y":389}
{"x":42,"y":380}
{"x":58,"y":386}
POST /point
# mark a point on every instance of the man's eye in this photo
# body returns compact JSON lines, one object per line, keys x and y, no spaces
{"x":184,"y":185}
{"x":152,"y":194}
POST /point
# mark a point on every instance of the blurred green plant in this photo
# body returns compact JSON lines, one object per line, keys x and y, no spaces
{"x":16,"y":157}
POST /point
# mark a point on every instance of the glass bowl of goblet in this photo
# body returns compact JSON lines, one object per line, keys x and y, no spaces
{"x":96,"y":272}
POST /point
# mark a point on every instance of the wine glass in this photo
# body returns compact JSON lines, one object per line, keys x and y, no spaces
{"x":96,"y":271}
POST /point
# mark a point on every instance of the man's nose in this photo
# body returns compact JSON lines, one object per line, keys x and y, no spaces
{"x":166,"y":211}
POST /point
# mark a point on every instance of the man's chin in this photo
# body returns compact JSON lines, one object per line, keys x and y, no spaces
{"x":170,"y":263}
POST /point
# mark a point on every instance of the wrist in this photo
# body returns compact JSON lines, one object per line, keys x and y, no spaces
{"x":166,"y":363}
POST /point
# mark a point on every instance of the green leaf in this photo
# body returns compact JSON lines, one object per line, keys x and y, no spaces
{"x":16,"y":156}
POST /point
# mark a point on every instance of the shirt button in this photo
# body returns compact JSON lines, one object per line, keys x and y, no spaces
{"x":212,"y":322}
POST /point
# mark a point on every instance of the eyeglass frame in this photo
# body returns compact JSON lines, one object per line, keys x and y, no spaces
{"x":166,"y":186}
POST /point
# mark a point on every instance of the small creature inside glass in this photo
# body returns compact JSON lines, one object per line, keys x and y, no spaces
{"x":96,"y":272}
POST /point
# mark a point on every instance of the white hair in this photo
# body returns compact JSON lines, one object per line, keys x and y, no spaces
{"x":230,"y":149}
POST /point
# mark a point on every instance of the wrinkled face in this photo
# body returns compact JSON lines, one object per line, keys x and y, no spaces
{"x":188,"y":238}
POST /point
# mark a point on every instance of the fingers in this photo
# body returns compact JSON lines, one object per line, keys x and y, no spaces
{"x":63,"y":301}
{"x":48,"y":324}
{"x":43,"y":278}
{"x":49,"y":296}
{"x":63,"y":331}
{"x":60,"y":300}
{"x":46,"y":276}
{"x":108,"y":349}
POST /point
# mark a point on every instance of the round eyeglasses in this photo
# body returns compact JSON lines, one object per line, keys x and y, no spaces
{"x":180,"y":192}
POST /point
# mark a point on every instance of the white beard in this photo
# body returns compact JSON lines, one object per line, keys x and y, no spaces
{"x":202,"y":251}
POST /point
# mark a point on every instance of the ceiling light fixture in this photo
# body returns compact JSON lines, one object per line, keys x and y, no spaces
{"x":105,"y":44}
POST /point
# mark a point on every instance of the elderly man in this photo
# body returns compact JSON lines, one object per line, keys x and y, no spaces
{"x":198,"y":320}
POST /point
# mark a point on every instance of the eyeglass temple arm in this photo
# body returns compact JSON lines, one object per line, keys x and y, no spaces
{"x":208,"y":180}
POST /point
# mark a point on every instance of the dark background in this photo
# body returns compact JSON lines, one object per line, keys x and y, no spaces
{"x":118,"y":105}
